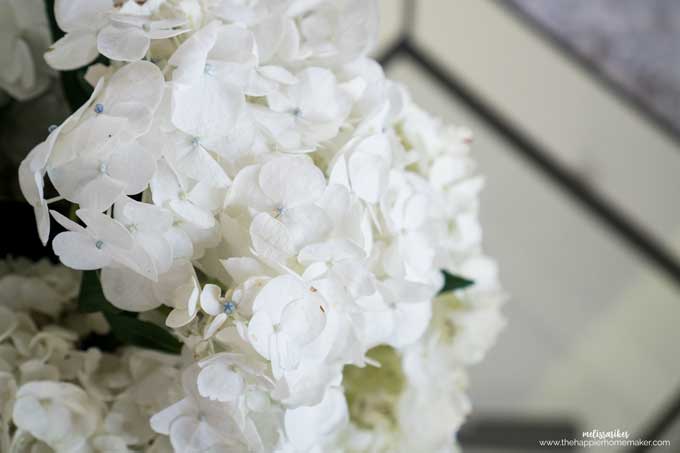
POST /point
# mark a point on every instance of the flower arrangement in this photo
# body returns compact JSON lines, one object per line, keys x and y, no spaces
{"x":252,"y":197}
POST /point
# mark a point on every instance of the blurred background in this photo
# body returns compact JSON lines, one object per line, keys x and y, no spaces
{"x":575,"y":107}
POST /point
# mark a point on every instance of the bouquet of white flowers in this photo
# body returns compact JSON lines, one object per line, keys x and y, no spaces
{"x":249,"y":189}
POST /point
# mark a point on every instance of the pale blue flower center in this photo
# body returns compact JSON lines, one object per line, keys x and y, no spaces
{"x":99,"y":108}
{"x":99,"y":244}
{"x":278,"y":211}
{"x":296,"y":112}
{"x":195,"y":141}
{"x":229,"y":307}
{"x":103,"y":168}
{"x":209,"y":69}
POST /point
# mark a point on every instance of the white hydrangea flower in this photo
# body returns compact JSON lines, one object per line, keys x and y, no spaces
{"x":287,"y":315}
{"x":119,"y":30}
{"x":196,"y":423}
{"x":307,"y":112}
{"x":128,"y":37}
{"x":54,"y":397}
{"x":257,"y":186}
{"x":206,"y":103}
{"x":61,"y":415}
{"x":103,"y":242}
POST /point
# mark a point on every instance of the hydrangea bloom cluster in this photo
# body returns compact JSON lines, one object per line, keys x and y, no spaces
{"x":55,"y":394}
{"x":245,"y":169}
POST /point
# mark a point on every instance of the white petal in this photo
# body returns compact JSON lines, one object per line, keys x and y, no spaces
{"x":72,"y":15}
{"x":260,"y":329}
{"x":107,"y":229}
{"x":214,"y":325}
{"x":178,"y":318}
{"x":277,"y":293}
{"x":218,"y":381}
{"x":411,"y":321}
{"x":157,"y":248}
{"x":179,"y":275}
{"x":74,"y":50}
{"x":234,"y":44}
{"x":31,"y":180}
{"x":188,"y":434}
{"x":270,"y":239}
{"x":211,"y":299}
{"x":207,"y":196}
{"x":268,"y":35}
{"x":128,"y":290}
{"x":161,"y":421}
{"x":78,"y":251}
{"x":208,"y":107}
{"x":303,"y":320}
{"x":145,"y":216}
{"x":245,"y":190}
{"x":140,"y":81}
{"x":70,"y":178}
{"x":190,"y":57}
{"x":42,"y":217}
{"x":134,"y":92}
{"x":192,"y":213}
{"x":292,"y":181}
{"x":277,"y":74}
{"x":305,"y":224}
{"x":197,"y":163}
{"x":100,"y":193}
{"x":326,"y":417}
{"x":67,"y":223}
{"x":133,"y":166}
{"x":406,"y":291}
{"x":136,"y":259}
{"x":285,"y":354}
{"x":368,"y":175}
{"x":122,"y":43}
{"x":241,"y":269}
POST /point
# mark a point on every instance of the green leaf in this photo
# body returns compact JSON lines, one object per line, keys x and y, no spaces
{"x":91,"y":298}
{"x":453,"y":282}
{"x":130,"y":330}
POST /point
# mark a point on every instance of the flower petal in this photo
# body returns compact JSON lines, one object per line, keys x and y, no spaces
{"x":78,"y":251}
{"x":128,"y":290}
{"x":210,"y":299}
{"x":292,"y":181}
{"x":218,"y":381}
{"x":208,"y":107}
{"x":74,"y":50}
{"x":122,"y":43}
{"x":270,"y":239}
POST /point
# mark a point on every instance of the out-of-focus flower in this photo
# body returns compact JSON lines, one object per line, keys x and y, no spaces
{"x":24,"y":37}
